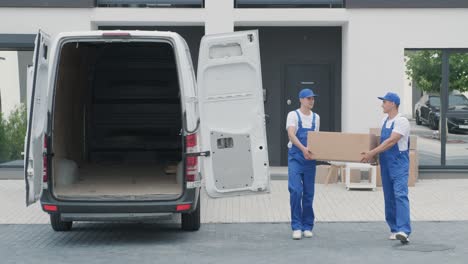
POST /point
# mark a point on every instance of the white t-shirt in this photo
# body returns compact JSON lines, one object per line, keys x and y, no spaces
{"x":306,"y":121}
{"x":402,"y":127}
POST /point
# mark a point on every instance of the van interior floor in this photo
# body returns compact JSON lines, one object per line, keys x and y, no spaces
{"x":101,"y":181}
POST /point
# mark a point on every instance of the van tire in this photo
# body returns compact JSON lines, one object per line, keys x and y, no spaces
{"x":191,"y":221}
{"x":58,"y":224}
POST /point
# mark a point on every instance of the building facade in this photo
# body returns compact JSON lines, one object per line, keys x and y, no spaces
{"x":349,"y":52}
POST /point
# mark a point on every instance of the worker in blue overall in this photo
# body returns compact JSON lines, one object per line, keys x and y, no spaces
{"x":301,"y":165}
{"x":394,"y":166}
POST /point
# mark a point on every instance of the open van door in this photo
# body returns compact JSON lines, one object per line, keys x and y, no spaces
{"x":37,"y":115}
{"x":232,"y":115}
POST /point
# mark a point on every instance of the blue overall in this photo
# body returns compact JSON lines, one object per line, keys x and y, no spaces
{"x":394,"y":166}
{"x":301,"y":180}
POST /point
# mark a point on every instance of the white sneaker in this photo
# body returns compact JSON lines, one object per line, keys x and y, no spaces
{"x":403,"y":237}
{"x":297,"y":234}
{"x":392,"y":236}
{"x":308,"y":233}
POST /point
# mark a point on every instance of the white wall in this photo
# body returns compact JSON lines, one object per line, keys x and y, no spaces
{"x":9,"y":81}
{"x":373,"y":39}
{"x":374,"y":57}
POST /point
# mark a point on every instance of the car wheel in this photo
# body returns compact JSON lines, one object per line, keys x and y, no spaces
{"x":59,"y":225}
{"x":418,"y":119}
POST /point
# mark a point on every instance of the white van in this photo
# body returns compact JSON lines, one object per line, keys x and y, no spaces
{"x":119,"y":128}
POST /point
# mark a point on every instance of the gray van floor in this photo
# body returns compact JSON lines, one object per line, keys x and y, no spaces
{"x":125,"y":180}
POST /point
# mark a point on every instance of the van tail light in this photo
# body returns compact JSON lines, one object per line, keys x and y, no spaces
{"x":50,"y":208}
{"x":183,"y":207}
{"x":45,"y":173}
{"x":191,"y":162}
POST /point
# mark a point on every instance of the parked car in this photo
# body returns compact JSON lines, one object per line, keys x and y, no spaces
{"x":427,"y":111}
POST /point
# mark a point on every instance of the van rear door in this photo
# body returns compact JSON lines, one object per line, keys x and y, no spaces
{"x":37,"y":115}
{"x":232,"y":115}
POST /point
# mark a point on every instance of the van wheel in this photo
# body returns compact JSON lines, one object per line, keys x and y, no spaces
{"x":58,"y":224}
{"x":191,"y":221}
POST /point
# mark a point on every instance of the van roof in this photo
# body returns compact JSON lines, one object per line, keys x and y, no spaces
{"x":98,"y":33}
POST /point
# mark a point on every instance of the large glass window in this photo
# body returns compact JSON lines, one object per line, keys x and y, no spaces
{"x":13,"y":93}
{"x":423,"y":73}
{"x":457,"y":110}
{"x":438,"y":85}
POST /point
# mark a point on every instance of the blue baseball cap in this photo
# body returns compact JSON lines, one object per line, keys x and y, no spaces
{"x":392,"y":97}
{"x":306,"y":93}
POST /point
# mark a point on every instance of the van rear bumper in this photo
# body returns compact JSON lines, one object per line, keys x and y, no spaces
{"x":115,"y":217}
{"x":124,"y":209}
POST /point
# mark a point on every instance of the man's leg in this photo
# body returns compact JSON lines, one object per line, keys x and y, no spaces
{"x":308,"y":216}
{"x":295,"y":193}
{"x":400,"y":186}
{"x":389,"y":198}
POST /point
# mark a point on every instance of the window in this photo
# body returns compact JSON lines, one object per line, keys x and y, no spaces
{"x":13,"y":94}
{"x":440,"y":117}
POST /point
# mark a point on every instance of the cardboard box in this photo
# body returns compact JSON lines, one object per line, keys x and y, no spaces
{"x":413,"y":145}
{"x":375,"y":130}
{"x":333,"y":174}
{"x":326,"y":174}
{"x":378,"y":176}
{"x":413,"y":170}
{"x":355,"y":175}
{"x":336,"y":146}
{"x":321,"y":174}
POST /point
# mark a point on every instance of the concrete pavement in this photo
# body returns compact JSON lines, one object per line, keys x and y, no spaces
{"x":432,"y":242}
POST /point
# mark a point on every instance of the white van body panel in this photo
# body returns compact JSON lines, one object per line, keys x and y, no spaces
{"x":232,"y":114}
{"x":37,"y":120}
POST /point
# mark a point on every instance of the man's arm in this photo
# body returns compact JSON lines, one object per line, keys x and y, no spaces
{"x":294,"y":140}
{"x":387,"y":144}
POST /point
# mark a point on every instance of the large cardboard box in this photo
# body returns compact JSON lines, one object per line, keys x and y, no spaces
{"x":335,"y":146}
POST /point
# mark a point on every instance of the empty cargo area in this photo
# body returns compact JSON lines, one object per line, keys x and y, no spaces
{"x":117,"y":122}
